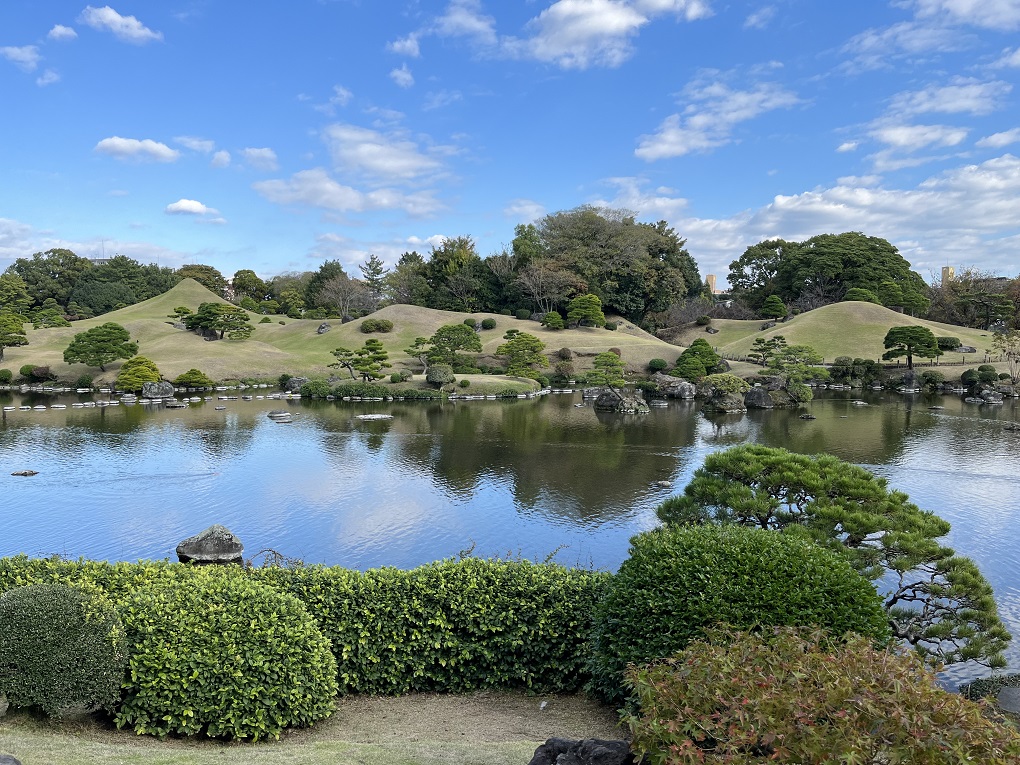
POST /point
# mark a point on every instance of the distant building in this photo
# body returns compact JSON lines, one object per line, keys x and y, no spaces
{"x":948,"y":273}
{"x":719,"y":296}
{"x":99,"y":261}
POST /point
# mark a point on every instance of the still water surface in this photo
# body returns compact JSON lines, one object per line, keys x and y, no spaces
{"x":519,"y":478}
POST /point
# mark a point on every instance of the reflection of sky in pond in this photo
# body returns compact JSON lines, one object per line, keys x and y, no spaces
{"x":520,"y":478}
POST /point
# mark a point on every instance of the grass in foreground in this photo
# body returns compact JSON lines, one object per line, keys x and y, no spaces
{"x":486,"y":728}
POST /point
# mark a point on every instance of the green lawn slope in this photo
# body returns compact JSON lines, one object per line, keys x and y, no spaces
{"x":840,"y":329}
{"x":294,"y":347}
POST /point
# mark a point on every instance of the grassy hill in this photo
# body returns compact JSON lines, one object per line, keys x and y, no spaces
{"x":294,"y":347}
{"x":841,"y":329}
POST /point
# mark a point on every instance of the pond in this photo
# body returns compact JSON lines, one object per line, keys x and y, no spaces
{"x":543,"y":478}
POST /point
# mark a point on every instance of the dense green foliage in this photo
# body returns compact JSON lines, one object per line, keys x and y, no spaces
{"x":193,"y":378}
{"x":773,"y":308}
{"x":100,"y":345}
{"x":366,"y":362}
{"x":215,"y":652}
{"x":222,"y":318}
{"x":862,"y":295}
{"x":910,"y":341}
{"x":376,"y":325}
{"x":12,"y":332}
{"x":135,"y":372}
{"x":586,"y":311}
{"x":726,"y":383}
{"x":846,"y":370}
{"x":822,"y":270}
{"x":936,"y":601}
{"x":607,"y":370}
{"x":208,"y":276}
{"x":523,"y":353}
{"x":553,"y":320}
{"x":61,"y":648}
{"x":798,"y":696}
{"x":678,"y":582}
{"x":451,"y":626}
{"x":6,"y":376}
{"x":439,"y":374}
{"x":447,"y":626}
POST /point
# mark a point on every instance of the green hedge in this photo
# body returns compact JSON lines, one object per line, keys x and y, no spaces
{"x":61,"y":648}
{"x":680,"y":581}
{"x":452,"y":626}
{"x":446,"y":626}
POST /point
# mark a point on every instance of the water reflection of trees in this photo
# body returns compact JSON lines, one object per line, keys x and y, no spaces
{"x":552,"y":457}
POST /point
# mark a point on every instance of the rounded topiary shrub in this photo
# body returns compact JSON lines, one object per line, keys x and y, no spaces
{"x":216,"y":653}
{"x":488,"y":323}
{"x":61,"y":649}
{"x":6,"y":376}
{"x":657,"y":365}
{"x":679,"y":581}
{"x":265,"y":320}
{"x":194,"y":378}
{"x":522,"y":314}
{"x":611,"y":326}
{"x":440,"y":374}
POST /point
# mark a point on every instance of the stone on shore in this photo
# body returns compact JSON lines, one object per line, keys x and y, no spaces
{"x":216,"y":545}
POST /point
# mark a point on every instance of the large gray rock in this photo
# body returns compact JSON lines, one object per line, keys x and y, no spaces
{"x":674,"y":387}
{"x":1008,"y":699}
{"x":323,"y":328}
{"x":294,"y":384}
{"x":160,"y":389}
{"x":589,"y":751}
{"x":612,"y":401}
{"x":758,"y":398}
{"x":729,"y":402}
{"x":217,"y":544}
{"x":9,"y":759}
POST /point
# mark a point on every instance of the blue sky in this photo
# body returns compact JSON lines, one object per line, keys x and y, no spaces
{"x":276,"y":135}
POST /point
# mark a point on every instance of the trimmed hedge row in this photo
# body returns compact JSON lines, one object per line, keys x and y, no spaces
{"x":452,"y":625}
{"x":446,"y":626}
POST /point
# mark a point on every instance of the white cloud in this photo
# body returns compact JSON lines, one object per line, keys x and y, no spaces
{"x":203,"y":145}
{"x":47,"y":78}
{"x":439,"y":99}
{"x":464,"y":18}
{"x":848,"y":146}
{"x":402,"y":76}
{"x":1010,"y":58}
{"x":341,"y":96}
{"x":998,"y":140}
{"x":760,"y":18}
{"x":405,"y":46}
{"x":378,"y":156}
{"x":220,"y":159}
{"x":133,"y":149}
{"x":189,"y":207}
{"x":572,"y":34}
{"x":60,"y":32}
{"x":436,"y":240}
{"x":524,"y":210}
{"x":124,"y":28}
{"x":316,"y":188}
{"x":576,"y":34}
{"x":875,"y":48}
{"x":713,"y":111}
{"x":260,"y":159}
{"x":26,"y":57}
{"x":914,"y":137}
{"x":954,"y":217}
{"x":990,"y":14}
{"x":964,"y":95}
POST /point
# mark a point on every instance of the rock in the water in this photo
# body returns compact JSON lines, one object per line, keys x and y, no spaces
{"x":729,"y":402}
{"x":589,"y":751}
{"x":217,"y":544}
{"x":611,"y":401}
{"x":758,"y":398}
{"x":25,"y":472}
{"x":323,"y":328}
{"x":1008,"y":699}
{"x":674,"y":387}
{"x":294,"y":384}
{"x":808,"y":417}
{"x":161,"y":389}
